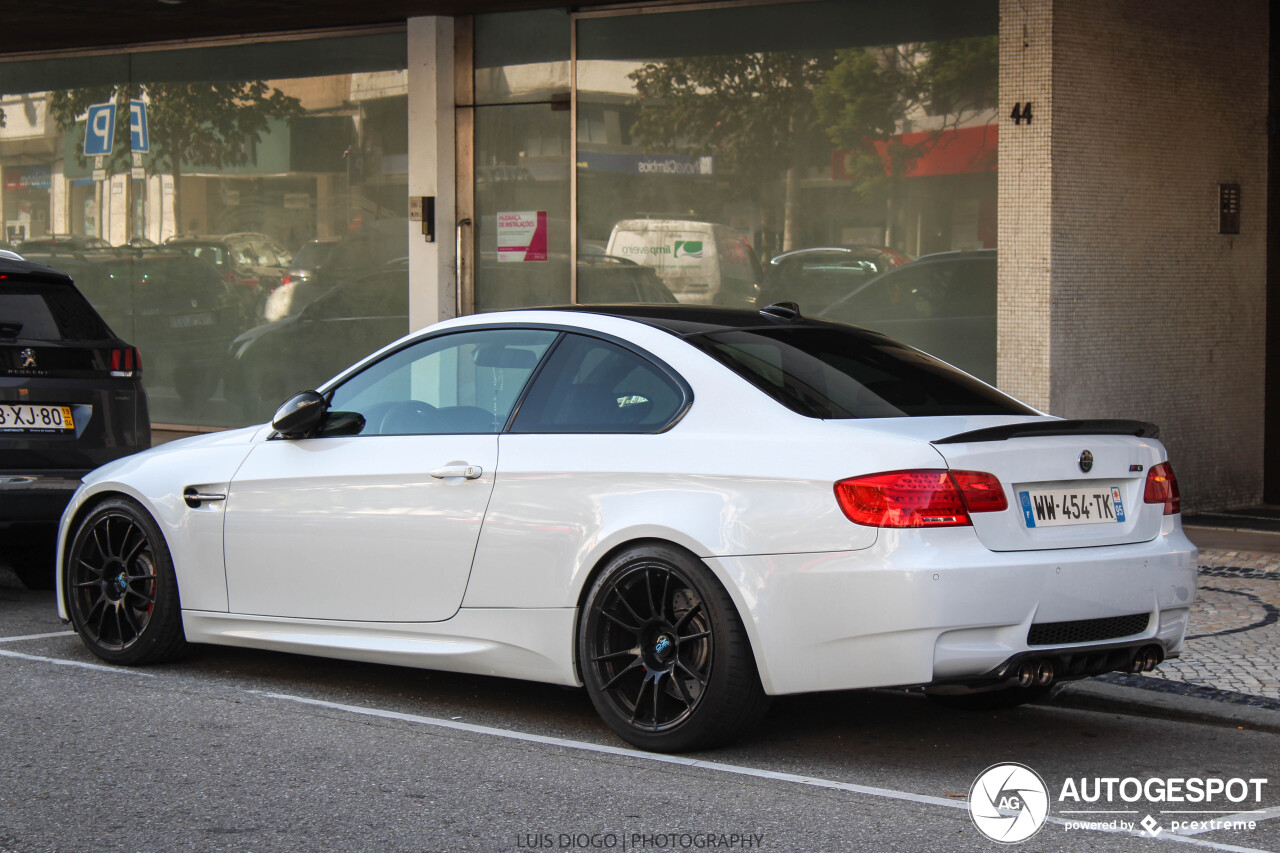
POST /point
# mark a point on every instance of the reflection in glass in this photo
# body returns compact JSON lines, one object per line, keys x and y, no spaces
{"x":712,"y":143}
{"x":224,"y":166}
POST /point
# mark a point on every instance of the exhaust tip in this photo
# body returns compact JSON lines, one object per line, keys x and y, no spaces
{"x":1152,"y":657}
{"x":1044,"y":675}
{"x":1027,"y":674}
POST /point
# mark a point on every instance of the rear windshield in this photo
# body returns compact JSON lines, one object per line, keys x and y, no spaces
{"x":48,"y":312}
{"x":822,"y":372}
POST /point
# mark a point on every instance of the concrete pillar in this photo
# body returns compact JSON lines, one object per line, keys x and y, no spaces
{"x":1119,"y":296}
{"x":432,"y":266}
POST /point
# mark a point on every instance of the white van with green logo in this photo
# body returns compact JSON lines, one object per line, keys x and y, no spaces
{"x":702,"y":263}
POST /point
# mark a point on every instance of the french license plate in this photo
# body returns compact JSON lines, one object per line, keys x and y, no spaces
{"x":1062,"y":507}
{"x":185,"y":321}
{"x":24,"y":418}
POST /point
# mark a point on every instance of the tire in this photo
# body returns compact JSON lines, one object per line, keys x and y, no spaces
{"x":121,"y":590}
{"x":990,"y":700}
{"x":35,"y":574}
{"x":664,"y":655}
{"x":33,"y":557}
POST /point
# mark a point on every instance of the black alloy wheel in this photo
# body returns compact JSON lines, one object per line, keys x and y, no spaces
{"x":664,"y":654}
{"x":120,"y":586}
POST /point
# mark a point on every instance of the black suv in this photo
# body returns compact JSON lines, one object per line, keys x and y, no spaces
{"x":71,"y":399}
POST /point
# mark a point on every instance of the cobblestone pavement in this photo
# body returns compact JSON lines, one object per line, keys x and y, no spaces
{"x":1233,"y":641}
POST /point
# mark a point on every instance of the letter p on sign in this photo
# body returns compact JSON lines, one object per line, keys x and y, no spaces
{"x":99,"y":130}
{"x":138,"y":137}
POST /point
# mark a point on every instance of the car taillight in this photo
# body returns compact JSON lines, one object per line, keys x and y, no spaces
{"x":922,"y":498}
{"x":1162,"y":488}
{"x":125,"y":360}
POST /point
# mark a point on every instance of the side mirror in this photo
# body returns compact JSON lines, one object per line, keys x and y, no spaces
{"x":299,"y":415}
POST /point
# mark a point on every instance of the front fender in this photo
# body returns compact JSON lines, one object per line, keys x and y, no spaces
{"x":155,"y":479}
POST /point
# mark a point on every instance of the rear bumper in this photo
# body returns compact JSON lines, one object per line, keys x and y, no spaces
{"x":936,"y":607}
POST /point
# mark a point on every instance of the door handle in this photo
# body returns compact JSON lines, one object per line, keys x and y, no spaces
{"x":469,"y":472}
{"x":193,"y":497}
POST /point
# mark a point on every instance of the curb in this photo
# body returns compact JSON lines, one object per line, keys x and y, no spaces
{"x":1137,"y":701}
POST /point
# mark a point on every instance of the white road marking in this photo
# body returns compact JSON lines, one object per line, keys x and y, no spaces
{"x":123,"y":670}
{"x":735,"y":769}
{"x":584,"y":746}
{"x":37,"y":636}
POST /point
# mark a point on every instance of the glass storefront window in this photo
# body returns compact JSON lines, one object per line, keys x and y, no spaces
{"x":743,"y":155}
{"x":238,"y":213}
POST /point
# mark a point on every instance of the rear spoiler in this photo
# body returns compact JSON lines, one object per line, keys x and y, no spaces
{"x":1141,"y":429}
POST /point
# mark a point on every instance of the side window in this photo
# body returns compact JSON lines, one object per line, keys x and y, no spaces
{"x":466,"y":382}
{"x":593,"y":386}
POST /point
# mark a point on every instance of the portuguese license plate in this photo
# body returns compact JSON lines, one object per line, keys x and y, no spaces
{"x":24,"y":418}
{"x":1062,"y":507}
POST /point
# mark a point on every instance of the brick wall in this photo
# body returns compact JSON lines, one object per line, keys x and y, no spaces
{"x":1118,"y":296}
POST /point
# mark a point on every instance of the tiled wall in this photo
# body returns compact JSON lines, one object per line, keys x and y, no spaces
{"x":1119,"y":298}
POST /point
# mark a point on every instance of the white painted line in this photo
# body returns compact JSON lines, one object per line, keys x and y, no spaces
{"x":60,"y":662}
{"x":37,"y":636}
{"x":622,"y":751}
{"x":735,"y":769}
{"x":584,"y":746}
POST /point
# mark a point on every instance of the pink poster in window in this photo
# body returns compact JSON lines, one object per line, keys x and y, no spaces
{"x":522,"y":236}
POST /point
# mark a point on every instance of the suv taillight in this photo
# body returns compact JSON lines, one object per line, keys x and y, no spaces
{"x":1162,"y":488}
{"x":921,"y":498}
{"x":125,"y":360}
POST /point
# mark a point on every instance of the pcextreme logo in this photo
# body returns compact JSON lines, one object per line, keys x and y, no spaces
{"x":1009,"y":803}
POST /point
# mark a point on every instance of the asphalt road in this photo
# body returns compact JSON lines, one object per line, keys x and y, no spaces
{"x":241,"y":750}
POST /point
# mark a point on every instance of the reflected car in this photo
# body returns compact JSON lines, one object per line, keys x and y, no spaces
{"x":253,"y":262}
{"x":301,"y":350}
{"x":604,"y":279}
{"x":815,"y":278}
{"x":703,"y":263}
{"x":60,"y":243}
{"x":71,"y":399}
{"x":294,"y":291}
{"x":944,"y":304}
{"x":684,"y":509}
{"x":179,"y":312}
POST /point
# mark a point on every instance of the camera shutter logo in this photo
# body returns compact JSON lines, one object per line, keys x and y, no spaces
{"x":1008,"y":803}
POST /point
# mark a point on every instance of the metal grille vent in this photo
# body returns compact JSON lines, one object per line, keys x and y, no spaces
{"x":1087,"y":630}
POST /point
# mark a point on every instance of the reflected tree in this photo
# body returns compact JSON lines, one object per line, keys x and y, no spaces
{"x":872,"y":97}
{"x":755,"y":113}
{"x":215,"y":124}
{"x":770,"y":115}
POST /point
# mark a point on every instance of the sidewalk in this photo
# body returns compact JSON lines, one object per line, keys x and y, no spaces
{"x":1229,"y":671}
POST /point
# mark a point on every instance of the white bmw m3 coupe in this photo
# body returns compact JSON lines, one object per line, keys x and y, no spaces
{"x":685,"y":509}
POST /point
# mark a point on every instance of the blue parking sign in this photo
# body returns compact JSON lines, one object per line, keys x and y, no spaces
{"x":138,"y":137}
{"x":99,"y":130}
